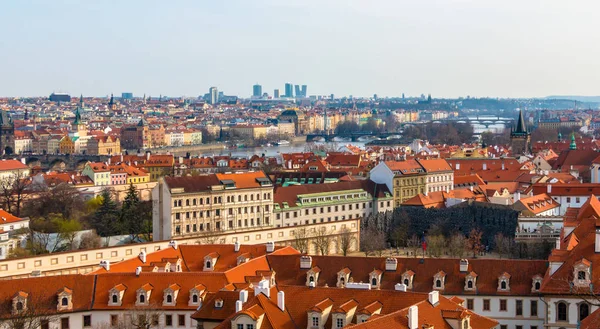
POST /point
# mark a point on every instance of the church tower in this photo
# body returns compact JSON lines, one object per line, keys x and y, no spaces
{"x":520,"y":138}
{"x":78,"y":126}
{"x":112,"y":105}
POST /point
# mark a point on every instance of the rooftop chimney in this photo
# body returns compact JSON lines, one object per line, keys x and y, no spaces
{"x":391,"y":264}
{"x":464,"y":265}
{"x":244,"y":295}
{"x":238,"y":306}
{"x":597,"y":245}
{"x":400,"y":287}
{"x":173,"y":244}
{"x":305,"y":262}
{"x":413,"y":317}
{"x":23,"y":161}
{"x":263,"y":287}
{"x":142,"y":256}
{"x":434,"y":297}
{"x":147,"y":155}
{"x":270,"y":246}
{"x":457,"y":165}
{"x":138,"y":270}
{"x":549,"y":188}
{"x":281,"y":301}
{"x":105,"y":264}
{"x":236,"y":246}
{"x":484,"y":166}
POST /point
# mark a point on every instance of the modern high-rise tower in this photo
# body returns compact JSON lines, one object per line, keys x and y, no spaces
{"x":289,"y":90}
{"x":300,"y":91}
{"x":213,"y":95}
{"x":257,"y":90}
{"x":276,"y":93}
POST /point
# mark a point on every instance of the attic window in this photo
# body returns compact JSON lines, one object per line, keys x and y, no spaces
{"x":115,"y":299}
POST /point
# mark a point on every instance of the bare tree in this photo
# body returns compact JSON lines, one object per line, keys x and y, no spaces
{"x":372,"y":241}
{"x":136,"y":318}
{"x":436,"y":245}
{"x":301,"y":240}
{"x":345,"y":240}
{"x":90,"y":240}
{"x":322,"y":240}
{"x":413,"y":244}
{"x":457,"y":245}
{"x":502,"y":245}
{"x":207,"y":238}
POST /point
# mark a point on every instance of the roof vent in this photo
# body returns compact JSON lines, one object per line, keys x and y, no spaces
{"x":106,"y":264}
{"x":270,"y":246}
{"x":138,"y":270}
{"x":434,"y":298}
{"x":142,"y":256}
{"x":236,"y":246}
{"x":173,"y":244}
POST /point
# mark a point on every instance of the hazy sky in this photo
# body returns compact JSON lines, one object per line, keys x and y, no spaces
{"x":449,"y":48}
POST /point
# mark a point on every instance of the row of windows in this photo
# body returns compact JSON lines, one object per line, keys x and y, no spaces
{"x":154,"y":321}
{"x":322,"y":220}
{"x":503,"y":306}
{"x":409,"y":181}
{"x":228,"y":199}
{"x":307,"y":212}
{"x":200,"y":227}
{"x":219,"y":212}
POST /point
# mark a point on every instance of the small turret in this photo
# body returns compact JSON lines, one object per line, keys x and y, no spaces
{"x":573,"y":145}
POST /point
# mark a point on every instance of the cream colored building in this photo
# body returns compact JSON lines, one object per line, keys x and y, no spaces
{"x":191,"y":206}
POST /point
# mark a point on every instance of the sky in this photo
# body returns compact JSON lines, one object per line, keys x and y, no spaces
{"x":448,"y":48}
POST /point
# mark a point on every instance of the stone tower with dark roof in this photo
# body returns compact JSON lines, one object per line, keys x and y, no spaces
{"x":7,"y":133}
{"x":520,"y":138}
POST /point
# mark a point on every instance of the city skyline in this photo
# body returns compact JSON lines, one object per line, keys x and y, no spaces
{"x":447,"y":48}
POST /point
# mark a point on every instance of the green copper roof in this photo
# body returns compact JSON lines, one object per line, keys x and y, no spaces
{"x":573,"y":145}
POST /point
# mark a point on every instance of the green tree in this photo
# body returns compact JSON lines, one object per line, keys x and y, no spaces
{"x":135,"y":218}
{"x":105,"y":219}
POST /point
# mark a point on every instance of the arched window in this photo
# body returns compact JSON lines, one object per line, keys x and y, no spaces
{"x":581,"y":275}
{"x":466,"y":325}
{"x":537,"y":285}
{"x":311,"y":279}
{"x":438,"y":283}
{"x":584,"y":311}
{"x":19,"y":306}
{"x":470,"y":284}
{"x":561,"y":314}
{"x":115,"y":299}
{"x":195,"y":299}
{"x":374,"y":282}
{"x":342,"y":280}
{"x":208,"y":264}
{"x":142,"y":298}
{"x":406,"y":282}
{"x":503,"y":285}
{"x":64,"y":301}
{"x":169,"y":299}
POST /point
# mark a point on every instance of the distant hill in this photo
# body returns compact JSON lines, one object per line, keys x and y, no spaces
{"x":590,"y":99}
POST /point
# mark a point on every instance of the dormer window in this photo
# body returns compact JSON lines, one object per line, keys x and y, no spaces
{"x":375,"y":278}
{"x":170,"y":295}
{"x":343,"y":277}
{"x":218,"y":303}
{"x":116,"y":295}
{"x":470,"y":281}
{"x":313,"y":275}
{"x":195,"y":294}
{"x":504,"y":282}
{"x":407,"y":278}
{"x":143,"y":294}
{"x":65,"y":296}
{"x":581,"y":273}
{"x":210,"y":261}
{"x":438,"y":280}
{"x":19,"y":302}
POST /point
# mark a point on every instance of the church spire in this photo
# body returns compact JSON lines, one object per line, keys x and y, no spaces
{"x":521,"y":128}
{"x":77,"y":117}
{"x":573,"y":145}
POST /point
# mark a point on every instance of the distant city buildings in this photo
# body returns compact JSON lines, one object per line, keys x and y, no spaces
{"x":257,"y":90}
{"x":289,"y":90}
{"x":127,"y":96}
{"x":276,"y":93}
{"x":213,"y":94}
